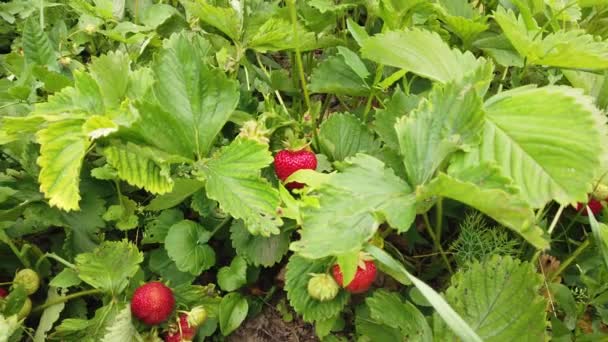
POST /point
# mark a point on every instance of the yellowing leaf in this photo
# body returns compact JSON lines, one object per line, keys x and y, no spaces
{"x":63,"y":146}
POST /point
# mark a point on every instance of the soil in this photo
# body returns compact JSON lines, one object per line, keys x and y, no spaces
{"x":269,"y":326}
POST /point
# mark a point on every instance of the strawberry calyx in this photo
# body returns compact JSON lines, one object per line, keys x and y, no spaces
{"x":254,"y":130}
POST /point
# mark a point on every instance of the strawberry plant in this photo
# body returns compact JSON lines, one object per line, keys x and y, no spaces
{"x":345,"y":170}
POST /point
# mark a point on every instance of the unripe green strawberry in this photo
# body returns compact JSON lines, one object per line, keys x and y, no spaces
{"x":152,"y":303}
{"x":197,"y":316}
{"x":29,"y":279}
{"x":322,"y":287}
{"x":25,"y":309}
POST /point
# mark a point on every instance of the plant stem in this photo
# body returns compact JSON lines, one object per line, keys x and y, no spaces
{"x":439,"y":218}
{"x":13,"y":248}
{"x":66,"y":298}
{"x":6,"y":283}
{"x":221,"y":225}
{"x":294,"y":21}
{"x":372,"y":94}
{"x":429,"y":229}
{"x":57,"y":258}
{"x":556,"y":218}
{"x":570,"y":259}
{"x":276,"y":92}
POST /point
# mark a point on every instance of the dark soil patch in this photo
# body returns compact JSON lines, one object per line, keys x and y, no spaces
{"x":269,"y":326}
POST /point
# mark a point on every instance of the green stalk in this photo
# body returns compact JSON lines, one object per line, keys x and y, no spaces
{"x":372,"y":94}
{"x":66,"y":298}
{"x":57,"y":258}
{"x":15,"y":250}
{"x":294,"y":21}
{"x":439,"y":218}
{"x":430,"y":230}
{"x":570,"y":259}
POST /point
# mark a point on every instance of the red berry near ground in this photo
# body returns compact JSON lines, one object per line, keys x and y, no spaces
{"x":287,"y":162}
{"x":185,"y":332}
{"x":3,"y":292}
{"x":152,"y":303}
{"x":594,"y":205}
{"x":364,"y":277}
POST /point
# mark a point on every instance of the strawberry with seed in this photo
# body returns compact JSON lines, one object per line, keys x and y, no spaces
{"x":152,"y":303}
{"x":286,"y":162}
{"x":364,"y":277}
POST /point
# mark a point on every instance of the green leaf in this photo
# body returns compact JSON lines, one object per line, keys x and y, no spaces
{"x":157,"y":228}
{"x":563,"y":297}
{"x":233,"y":179}
{"x":111,"y":72}
{"x":342,"y":74}
{"x":389,"y":309}
{"x":186,"y":244}
{"x":225,"y":19}
{"x":50,"y":315}
{"x":352,"y":204}
{"x":123,"y":213}
{"x":548,"y":162}
{"x":387,"y":264}
{"x":450,"y":119}
{"x":53,"y":81}
{"x":231,"y":278}
{"x":348,"y":262}
{"x":98,"y":126}
{"x":37,"y":47}
{"x":161,"y":264}
{"x":296,"y":285}
{"x":121,"y":329}
{"x":484,"y":188}
{"x":358,"y":32}
{"x":600,"y":235}
{"x":8,"y":326}
{"x":233,"y":311}
{"x":140,"y":167}
{"x":182,"y":189}
{"x":66,"y":278}
{"x":194,"y":102}
{"x":331,"y":6}
{"x":500,"y":300}
{"x":567,"y":49}
{"x":277,"y":34}
{"x":500,"y":49}
{"x":344,"y":135}
{"x":421,"y":52}
{"x":443,"y":309}
{"x":370,"y":330}
{"x":397,"y":106}
{"x":63,"y":147}
{"x":109,"y":266}
{"x":593,"y":84}
{"x":259,"y":250}
{"x":14,"y":301}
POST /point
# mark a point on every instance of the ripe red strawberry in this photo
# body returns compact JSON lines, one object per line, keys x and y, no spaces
{"x":594,"y":205}
{"x":287,"y":162}
{"x":185,"y":332}
{"x":152,"y":303}
{"x":3,"y":292}
{"x":364,"y":277}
